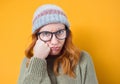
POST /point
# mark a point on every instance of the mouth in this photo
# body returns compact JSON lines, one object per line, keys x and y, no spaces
{"x":55,"y":48}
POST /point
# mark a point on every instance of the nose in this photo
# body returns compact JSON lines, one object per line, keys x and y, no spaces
{"x":54,"y":40}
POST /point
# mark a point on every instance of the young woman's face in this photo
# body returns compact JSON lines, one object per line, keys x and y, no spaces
{"x":54,"y":41}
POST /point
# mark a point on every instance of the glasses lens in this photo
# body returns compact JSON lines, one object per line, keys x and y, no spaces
{"x":61,"y":34}
{"x":45,"y":36}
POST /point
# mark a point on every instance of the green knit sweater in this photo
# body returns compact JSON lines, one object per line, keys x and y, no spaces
{"x":40,"y":72}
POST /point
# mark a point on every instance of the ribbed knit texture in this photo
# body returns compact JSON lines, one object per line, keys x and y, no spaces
{"x":35,"y":69}
{"x":39,"y":73}
{"x":48,"y":13}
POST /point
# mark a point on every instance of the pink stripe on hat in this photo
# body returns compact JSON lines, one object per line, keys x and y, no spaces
{"x":50,"y":11}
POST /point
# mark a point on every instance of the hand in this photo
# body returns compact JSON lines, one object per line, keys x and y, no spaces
{"x":41,"y":49}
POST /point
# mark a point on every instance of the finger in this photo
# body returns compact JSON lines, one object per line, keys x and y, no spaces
{"x":43,"y":42}
{"x":46,"y":44}
{"x":40,"y":41}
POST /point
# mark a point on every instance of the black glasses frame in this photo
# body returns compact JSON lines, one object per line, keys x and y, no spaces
{"x":67,"y":33}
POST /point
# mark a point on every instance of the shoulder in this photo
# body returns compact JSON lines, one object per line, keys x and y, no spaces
{"x":85,"y":58}
{"x":23,"y":64}
{"x":24,"y":60}
{"x":87,"y":69}
{"x":22,"y":69}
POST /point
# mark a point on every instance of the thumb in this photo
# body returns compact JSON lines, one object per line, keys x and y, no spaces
{"x":39,"y":41}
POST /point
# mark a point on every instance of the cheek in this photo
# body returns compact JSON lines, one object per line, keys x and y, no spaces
{"x":62,"y":42}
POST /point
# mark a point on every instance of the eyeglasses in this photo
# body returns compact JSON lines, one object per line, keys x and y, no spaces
{"x":47,"y":36}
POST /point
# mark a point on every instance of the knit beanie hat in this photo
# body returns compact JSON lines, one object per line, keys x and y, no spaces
{"x":47,"y":14}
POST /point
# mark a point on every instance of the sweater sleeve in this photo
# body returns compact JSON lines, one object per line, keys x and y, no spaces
{"x":90,"y":74}
{"x":36,"y":73}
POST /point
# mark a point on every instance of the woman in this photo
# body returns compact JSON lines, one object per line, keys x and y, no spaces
{"x":52,"y":58}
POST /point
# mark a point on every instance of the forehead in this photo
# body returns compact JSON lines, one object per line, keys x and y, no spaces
{"x":52,"y":27}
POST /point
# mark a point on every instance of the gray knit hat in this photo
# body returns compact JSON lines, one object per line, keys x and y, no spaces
{"x":47,"y":14}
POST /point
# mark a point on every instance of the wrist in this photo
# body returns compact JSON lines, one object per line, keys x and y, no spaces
{"x":39,"y":57}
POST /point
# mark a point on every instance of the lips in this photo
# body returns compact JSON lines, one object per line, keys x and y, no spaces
{"x":55,"y":48}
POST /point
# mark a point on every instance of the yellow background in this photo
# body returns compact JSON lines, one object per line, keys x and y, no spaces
{"x":95,"y":25}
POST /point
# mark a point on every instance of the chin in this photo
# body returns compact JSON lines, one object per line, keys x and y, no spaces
{"x":54,"y":53}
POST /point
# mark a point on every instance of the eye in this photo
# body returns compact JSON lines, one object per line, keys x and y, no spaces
{"x":60,"y":31}
{"x":45,"y":33}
